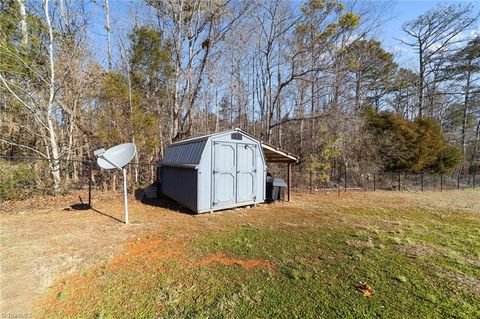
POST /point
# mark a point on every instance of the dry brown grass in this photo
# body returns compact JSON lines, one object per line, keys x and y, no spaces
{"x":44,"y":242}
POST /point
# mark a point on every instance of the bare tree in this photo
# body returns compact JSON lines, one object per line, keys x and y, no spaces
{"x":195,"y":29}
{"x":433,"y":34}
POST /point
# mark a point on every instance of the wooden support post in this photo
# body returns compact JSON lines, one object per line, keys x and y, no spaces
{"x":399,"y":182}
{"x":421,"y":178}
{"x":441,"y":182}
{"x":458,"y":180}
{"x":374,"y":182}
{"x":289,"y":182}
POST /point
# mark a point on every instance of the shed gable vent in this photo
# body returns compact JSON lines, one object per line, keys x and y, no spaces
{"x":237,"y":136}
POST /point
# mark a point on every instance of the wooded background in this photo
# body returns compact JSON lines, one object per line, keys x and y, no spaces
{"x":308,"y":77}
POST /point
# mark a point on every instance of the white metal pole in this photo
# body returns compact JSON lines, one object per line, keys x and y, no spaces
{"x":125,"y":203}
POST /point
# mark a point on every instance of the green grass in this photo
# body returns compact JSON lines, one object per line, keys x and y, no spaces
{"x":420,"y":264}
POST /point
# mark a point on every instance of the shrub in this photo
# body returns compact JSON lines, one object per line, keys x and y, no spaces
{"x":411,"y":146}
{"x":17,"y":180}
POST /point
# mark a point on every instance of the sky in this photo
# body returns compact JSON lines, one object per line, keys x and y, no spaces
{"x":403,"y":11}
{"x":400,"y":12}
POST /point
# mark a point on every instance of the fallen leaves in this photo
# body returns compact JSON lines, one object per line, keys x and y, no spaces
{"x":365,"y":289}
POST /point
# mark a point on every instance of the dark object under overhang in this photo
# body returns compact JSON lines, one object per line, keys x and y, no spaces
{"x":275,"y":189}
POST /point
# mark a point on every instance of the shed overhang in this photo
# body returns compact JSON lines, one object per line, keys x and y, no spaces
{"x":276,"y":155}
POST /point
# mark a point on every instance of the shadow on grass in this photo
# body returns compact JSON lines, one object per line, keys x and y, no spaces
{"x":162,"y":202}
{"x":84,"y":206}
{"x":167,"y":203}
{"x":80,"y":206}
{"x":106,"y":215}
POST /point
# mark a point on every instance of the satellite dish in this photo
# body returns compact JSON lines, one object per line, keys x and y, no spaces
{"x":118,"y":157}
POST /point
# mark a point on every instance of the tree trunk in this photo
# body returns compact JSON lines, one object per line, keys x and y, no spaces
{"x":217,"y":113}
{"x":23,"y":23}
{"x":477,"y":143}
{"x":55,"y":167}
{"x":465,"y":114}
{"x":357,"y":93}
{"x":107,"y":29}
{"x":421,"y":81}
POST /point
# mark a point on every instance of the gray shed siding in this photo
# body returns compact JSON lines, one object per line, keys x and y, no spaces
{"x":214,"y":184}
{"x":180,"y":184}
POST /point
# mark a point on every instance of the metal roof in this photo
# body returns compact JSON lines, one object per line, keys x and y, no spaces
{"x":207,"y":136}
{"x":187,"y":153}
{"x":184,"y":153}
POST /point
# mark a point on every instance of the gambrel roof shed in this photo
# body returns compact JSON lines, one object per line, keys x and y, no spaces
{"x":219,"y":171}
{"x":214,"y":172}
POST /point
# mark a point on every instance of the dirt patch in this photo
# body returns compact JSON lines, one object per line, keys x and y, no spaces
{"x":223,"y":259}
{"x":144,"y":252}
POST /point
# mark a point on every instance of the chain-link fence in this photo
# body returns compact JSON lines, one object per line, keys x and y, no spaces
{"x":25,"y":177}
{"x":305,"y":180}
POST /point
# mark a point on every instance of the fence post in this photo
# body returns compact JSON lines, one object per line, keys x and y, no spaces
{"x":473,"y":180}
{"x":345,"y":177}
{"x":374,"y":183}
{"x":90,"y":184}
{"x":311,"y":181}
{"x":399,"y":185}
{"x":421,"y":180}
{"x":458,"y":180}
{"x":441,"y":182}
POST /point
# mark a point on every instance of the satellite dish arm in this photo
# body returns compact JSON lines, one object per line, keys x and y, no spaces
{"x":99,"y":152}
{"x":113,"y":164}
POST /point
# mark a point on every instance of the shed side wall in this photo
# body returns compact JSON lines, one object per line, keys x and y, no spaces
{"x":180,"y":184}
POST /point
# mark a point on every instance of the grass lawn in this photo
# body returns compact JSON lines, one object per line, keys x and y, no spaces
{"x":389,"y":255}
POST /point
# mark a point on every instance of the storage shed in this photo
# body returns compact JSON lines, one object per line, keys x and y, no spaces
{"x":215,"y":172}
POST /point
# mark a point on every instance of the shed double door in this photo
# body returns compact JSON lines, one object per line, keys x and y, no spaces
{"x":234,"y":172}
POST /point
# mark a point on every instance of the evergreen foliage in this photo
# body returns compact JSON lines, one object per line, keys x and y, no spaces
{"x":411,"y":146}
